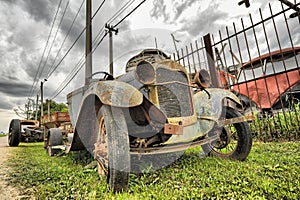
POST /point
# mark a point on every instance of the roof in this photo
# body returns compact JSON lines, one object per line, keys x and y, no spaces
{"x":273,"y":53}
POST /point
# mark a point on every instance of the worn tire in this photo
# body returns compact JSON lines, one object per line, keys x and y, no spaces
{"x":112,"y":148}
{"x":54,"y":138}
{"x":14,"y":135}
{"x":237,"y":146}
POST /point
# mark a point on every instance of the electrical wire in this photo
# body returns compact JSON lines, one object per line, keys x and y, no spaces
{"x":51,"y":69}
{"x":120,"y":11}
{"x":129,"y":13}
{"x":53,"y":41}
{"x":58,"y":28}
{"x":35,"y":80}
{"x":76,"y":40}
{"x":74,"y":72}
{"x":81,"y":62}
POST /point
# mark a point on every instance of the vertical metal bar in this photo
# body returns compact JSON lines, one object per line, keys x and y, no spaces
{"x":232,"y":57}
{"x":198,"y":55}
{"x":188,"y":59}
{"x":204,"y":54}
{"x":290,"y":37}
{"x":182,"y":54}
{"x":211,"y":61}
{"x":262,"y":63}
{"x":268,"y":46}
{"x":88,"y":42}
{"x":241,"y":59}
{"x":284,"y":65}
{"x":193,"y":57}
{"x":222,"y":72}
{"x":178,"y":56}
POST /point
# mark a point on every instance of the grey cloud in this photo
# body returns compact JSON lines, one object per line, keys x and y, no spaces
{"x":197,"y":25}
{"x":180,"y":7}
{"x":14,"y":88}
{"x":159,"y":10}
{"x":5,"y":105}
{"x":40,"y":10}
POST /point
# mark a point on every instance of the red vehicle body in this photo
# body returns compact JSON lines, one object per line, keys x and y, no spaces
{"x":267,"y":78}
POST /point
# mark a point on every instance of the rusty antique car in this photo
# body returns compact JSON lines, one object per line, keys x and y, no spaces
{"x":270,"y":81}
{"x":24,"y":131}
{"x":151,"y":110}
{"x":34,"y":131}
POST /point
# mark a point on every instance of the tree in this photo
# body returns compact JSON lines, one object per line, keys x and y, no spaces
{"x":54,"y":107}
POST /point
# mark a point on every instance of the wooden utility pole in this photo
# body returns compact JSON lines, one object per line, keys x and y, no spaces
{"x":48,"y":104}
{"x":42,"y":99}
{"x":36,"y":106}
{"x":110,"y":30}
{"x":88,"y":42}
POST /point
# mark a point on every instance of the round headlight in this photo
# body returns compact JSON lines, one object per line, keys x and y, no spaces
{"x":145,"y":73}
{"x":202,"y":78}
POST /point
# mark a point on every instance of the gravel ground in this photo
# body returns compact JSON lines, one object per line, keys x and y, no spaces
{"x":7,"y":192}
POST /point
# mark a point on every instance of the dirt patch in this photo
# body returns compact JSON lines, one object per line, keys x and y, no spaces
{"x":7,"y":192}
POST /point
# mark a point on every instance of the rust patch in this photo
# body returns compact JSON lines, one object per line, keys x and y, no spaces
{"x":173,"y":129}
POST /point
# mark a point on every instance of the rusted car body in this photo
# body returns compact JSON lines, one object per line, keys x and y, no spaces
{"x":152,"y":109}
{"x":24,"y":131}
{"x":33,"y":131}
{"x":268,"y":78}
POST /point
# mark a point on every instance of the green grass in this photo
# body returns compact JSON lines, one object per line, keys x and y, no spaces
{"x":270,"y":172}
{"x":3,"y":135}
{"x":280,"y":126}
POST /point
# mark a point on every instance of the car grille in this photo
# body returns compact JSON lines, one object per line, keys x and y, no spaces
{"x":174,"y":98}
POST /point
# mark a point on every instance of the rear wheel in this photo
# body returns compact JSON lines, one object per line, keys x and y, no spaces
{"x":112,"y":148}
{"x":54,"y":139}
{"x":14,"y":133}
{"x":235,"y":140}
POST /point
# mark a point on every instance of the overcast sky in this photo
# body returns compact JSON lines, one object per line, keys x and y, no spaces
{"x":25,"y":25}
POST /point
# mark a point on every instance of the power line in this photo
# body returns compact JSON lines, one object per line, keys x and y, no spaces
{"x":120,"y":11}
{"x":129,"y":13}
{"x":79,"y":65}
{"x":73,"y":73}
{"x":58,"y":27}
{"x":76,"y":40}
{"x":35,"y":78}
{"x":99,"y":7}
{"x":51,"y":70}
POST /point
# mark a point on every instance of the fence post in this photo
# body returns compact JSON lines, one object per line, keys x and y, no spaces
{"x":211,"y":62}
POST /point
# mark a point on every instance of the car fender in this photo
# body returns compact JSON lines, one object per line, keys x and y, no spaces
{"x":116,"y":93}
{"x":209,"y":104}
{"x":112,"y":93}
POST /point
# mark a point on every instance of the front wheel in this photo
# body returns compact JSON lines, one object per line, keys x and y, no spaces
{"x":112,"y":148}
{"x":235,"y":140}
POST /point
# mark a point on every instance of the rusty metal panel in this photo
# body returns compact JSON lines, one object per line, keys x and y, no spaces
{"x":117,"y":93}
{"x":173,"y":129}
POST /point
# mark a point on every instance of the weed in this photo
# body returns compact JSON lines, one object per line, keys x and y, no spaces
{"x":280,"y":126}
{"x":271,"y":171}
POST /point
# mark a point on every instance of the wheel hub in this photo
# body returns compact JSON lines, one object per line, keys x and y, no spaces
{"x":224,"y":139}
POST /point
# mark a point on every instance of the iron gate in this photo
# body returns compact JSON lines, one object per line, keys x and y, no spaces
{"x":258,"y":59}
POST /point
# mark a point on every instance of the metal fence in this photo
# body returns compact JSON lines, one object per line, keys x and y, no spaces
{"x":258,"y":59}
